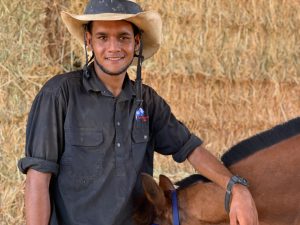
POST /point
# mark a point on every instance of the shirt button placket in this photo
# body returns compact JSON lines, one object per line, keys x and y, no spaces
{"x":118,"y":149}
{"x":118,"y":132}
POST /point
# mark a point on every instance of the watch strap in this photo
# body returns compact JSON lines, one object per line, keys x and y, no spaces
{"x":233,"y":180}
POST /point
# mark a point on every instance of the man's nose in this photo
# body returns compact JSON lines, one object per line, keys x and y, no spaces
{"x":114,"y":45}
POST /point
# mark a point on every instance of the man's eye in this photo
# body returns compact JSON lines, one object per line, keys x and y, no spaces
{"x":101,"y":38}
{"x":124,"y":38}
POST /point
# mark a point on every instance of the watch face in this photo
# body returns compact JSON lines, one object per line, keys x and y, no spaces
{"x":244,"y":181}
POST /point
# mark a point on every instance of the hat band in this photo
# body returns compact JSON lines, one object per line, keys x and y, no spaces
{"x":112,"y":6}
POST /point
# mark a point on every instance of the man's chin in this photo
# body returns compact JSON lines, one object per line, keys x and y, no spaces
{"x":113,"y":72}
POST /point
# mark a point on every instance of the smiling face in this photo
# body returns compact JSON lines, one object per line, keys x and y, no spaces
{"x":113,"y":44}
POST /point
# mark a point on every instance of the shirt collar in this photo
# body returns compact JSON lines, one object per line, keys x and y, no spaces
{"x":93,"y":83}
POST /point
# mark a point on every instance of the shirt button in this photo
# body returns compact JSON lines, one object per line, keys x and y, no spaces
{"x":118,"y":123}
{"x":145,"y":137}
{"x":118,"y":145}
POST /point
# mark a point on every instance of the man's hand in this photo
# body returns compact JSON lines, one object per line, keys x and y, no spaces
{"x":242,"y":208}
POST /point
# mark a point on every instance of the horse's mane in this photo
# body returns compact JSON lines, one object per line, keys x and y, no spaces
{"x":187,"y":181}
{"x":261,"y":141}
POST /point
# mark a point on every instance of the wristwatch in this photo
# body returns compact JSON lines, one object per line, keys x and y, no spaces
{"x":233,"y":180}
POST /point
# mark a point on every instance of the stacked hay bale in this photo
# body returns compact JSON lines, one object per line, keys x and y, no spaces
{"x":229,"y":69}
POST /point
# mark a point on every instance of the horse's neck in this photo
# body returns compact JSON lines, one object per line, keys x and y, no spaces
{"x":203,"y":202}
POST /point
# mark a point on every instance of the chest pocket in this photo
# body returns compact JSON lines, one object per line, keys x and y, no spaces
{"x":140,"y":139}
{"x":84,"y":138}
{"x":140,"y":129}
{"x":82,"y":161}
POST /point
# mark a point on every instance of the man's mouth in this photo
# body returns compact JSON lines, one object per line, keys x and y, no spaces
{"x":114,"y":58}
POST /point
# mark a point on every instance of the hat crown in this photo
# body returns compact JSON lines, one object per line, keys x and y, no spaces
{"x":112,"y":6}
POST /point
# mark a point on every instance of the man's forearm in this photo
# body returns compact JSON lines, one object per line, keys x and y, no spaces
{"x":37,"y":200}
{"x":209,"y":166}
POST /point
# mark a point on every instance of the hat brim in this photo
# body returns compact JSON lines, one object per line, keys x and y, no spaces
{"x":149,"y":22}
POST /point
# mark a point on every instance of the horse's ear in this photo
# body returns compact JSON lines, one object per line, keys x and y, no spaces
{"x":165,"y":183}
{"x":153,"y":192}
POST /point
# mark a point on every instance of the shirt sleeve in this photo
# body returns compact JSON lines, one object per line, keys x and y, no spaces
{"x":44,"y":133}
{"x":171,"y":136}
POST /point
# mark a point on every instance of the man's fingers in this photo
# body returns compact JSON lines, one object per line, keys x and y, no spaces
{"x":233,"y":219}
{"x":242,"y":209}
{"x":246,"y":219}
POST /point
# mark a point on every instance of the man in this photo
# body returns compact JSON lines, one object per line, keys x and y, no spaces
{"x":91,"y":132}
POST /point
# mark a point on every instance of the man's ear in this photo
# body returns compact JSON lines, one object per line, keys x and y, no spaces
{"x":137,"y":40}
{"x":88,"y":37}
{"x":153,"y":192}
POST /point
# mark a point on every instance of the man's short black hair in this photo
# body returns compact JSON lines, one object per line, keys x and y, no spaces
{"x":136,"y":30}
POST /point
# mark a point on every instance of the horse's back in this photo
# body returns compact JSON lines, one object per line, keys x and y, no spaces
{"x":274,"y":179}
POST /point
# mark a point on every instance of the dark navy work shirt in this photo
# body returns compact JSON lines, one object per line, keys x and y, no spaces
{"x":96,"y":145}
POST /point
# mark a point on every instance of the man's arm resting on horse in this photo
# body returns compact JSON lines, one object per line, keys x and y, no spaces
{"x":37,"y":200}
{"x":242,"y":208}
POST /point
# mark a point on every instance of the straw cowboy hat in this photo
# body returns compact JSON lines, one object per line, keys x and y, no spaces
{"x":149,"y":22}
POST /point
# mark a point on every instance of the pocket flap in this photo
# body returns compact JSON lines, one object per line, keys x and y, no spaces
{"x":140,"y":136}
{"x":84,"y":137}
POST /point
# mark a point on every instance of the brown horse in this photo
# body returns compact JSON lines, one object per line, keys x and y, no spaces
{"x":271,"y":163}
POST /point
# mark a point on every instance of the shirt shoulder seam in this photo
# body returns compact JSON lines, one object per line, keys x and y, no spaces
{"x":56,"y":83}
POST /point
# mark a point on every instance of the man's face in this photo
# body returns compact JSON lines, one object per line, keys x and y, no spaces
{"x":114,"y":44}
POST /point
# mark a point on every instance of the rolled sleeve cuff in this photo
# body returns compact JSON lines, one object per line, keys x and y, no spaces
{"x":40,"y":165}
{"x":189,"y":146}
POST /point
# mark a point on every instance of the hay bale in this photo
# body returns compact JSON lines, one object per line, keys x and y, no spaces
{"x":223,"y":111}
{"x":236,"y":39}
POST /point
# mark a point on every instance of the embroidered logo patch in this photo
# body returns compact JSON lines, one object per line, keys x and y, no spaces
{"x":140,"y":115}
